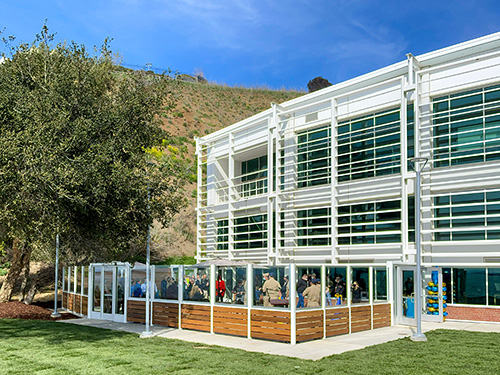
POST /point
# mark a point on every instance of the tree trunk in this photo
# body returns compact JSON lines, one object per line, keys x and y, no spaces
{"x":21,"y":254}
{"x":25,"y":284}
{"x":31,"y":293}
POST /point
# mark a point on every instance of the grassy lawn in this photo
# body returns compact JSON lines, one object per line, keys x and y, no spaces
{"x":37,"y":347}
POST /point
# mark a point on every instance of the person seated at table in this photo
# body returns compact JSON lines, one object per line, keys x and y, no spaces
{"x":196,"y":294}
{"x":239,"y":292}
{"x":313,"y":294}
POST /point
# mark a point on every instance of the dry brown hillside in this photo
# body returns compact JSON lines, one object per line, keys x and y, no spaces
{"x":202,"y":109}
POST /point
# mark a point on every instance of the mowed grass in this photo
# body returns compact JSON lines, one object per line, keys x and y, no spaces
{"x":37,"y":347}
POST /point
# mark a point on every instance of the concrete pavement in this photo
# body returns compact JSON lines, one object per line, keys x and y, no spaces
{"x":313,"y":350}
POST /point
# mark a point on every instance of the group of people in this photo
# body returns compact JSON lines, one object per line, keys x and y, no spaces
{"x":308,"y":287}
{"x":238,"y":292}
{"x":169,"y":288}
{"x":268,"y":290}
{"x":197,"y":289}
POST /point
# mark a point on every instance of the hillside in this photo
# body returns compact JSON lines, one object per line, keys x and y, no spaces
{"x":200,"y":110}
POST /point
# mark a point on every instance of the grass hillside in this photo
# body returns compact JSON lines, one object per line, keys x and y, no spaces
{"x":200,"y":110}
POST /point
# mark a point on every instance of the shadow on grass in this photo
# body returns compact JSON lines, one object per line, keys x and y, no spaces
{"x":54,"y":332}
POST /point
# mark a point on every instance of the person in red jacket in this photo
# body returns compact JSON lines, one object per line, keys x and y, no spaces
{"x":220,"y":289}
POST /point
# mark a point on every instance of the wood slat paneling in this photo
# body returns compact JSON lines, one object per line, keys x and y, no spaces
{"x":270,"y":325}
{"x":337,"y":321}
{"x":361,"y":318}
{"x":78,"y":304}
{"x":136,"y":311}
{"x":309,"y":325}
{"x":382,"y":315}
{"x":195,"y":317}
{"x":166,"y":314}
{"x":65,"y":300}
{"x":231,"y":321}
{"x":85,"y":301}
{"x":71,"y":302}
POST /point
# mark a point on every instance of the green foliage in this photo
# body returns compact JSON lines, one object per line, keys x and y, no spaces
{"x":184,"y":259}
{"x":72,"y":135}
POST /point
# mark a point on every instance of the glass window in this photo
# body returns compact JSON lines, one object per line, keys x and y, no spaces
{"x":469,"y":286}
{"x":96,"y":302}
{"x":494,"y":286}
{"x":380,"y":284}
{"x":468,"y":215}
{"x":85,"y":281}
{"x":271,"y":286}
{"x":313,"y":157}
{"x":166,"y":282}
{"x":68,"y":289}
{"x":197,"y":284}
{"x":336,"y":291}
{"x":315,"y":227}
{"x":231,"y":285}
{"x":370,"y":146}
{"x":368,"y":223}
{"x":460,"y":123}
{"x":78,"y":277}
{"x":253,"y":176}
{"x":138,"y":282}
{"x":222,"y":234}
{"x":411,"y":218}
{"x":250,"y":232}
{"x":360,"y":285}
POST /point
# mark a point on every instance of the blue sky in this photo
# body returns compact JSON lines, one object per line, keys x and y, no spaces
{"x":254,"y":42}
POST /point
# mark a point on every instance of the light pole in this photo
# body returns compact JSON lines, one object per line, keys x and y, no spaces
{"x":147,"y":332}
{"x":55,"y":314}
{"x":149,"y":65}
{"x":418,"y":165}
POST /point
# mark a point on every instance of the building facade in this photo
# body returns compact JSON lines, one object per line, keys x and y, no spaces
{"x":327,"y":179}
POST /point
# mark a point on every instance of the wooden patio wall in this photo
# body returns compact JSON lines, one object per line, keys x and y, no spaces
{"x":136,"y":311}
{"x":231,"y":321}
{"x":195,"y":317}
{"x":75,"y":303}
{"x":166,"y":314}
{"x":272,"y":325}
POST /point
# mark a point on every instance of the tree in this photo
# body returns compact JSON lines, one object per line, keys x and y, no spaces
{"x":317,"y":83}
{"x":74,"y":135}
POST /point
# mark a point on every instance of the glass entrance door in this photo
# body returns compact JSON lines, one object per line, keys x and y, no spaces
{"x":406,"y":309}
{"x":108,"y":292}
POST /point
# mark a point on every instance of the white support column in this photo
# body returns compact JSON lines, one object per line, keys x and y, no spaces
{"x":64,"y":279}
{"x":91,"y":290}
{"x":323,"y":297}
{"x":333,"y":181}
{"x":348,"y":287}
{"x":292,"y":302}
{"x":371,"y":292}
{"x":75,"y":279}
{"x":390,"y":288}
{"x":199,"y":197}
{"x":180,"y":293}
{"x":212,"y":296}
{"x":232,"y":193}
{"x":249,"y":295}
{"x":271,"y":251}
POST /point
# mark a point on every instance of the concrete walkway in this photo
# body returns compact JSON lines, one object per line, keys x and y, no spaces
{"x":313,"y":350}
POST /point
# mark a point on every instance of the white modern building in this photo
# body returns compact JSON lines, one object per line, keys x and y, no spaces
{"x":325,"y":179}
